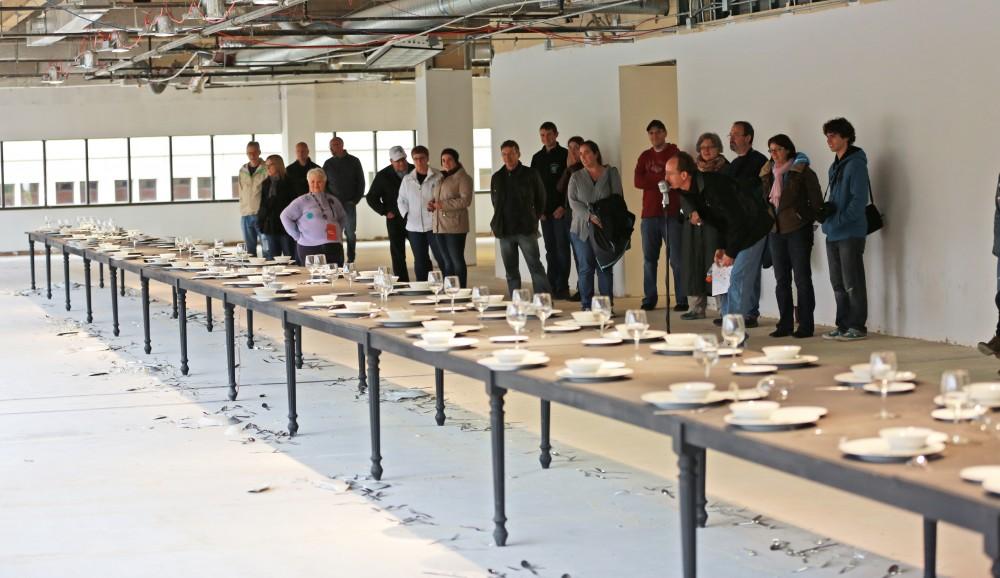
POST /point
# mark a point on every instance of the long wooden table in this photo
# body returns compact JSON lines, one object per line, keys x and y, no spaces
{"x":936,"y":493}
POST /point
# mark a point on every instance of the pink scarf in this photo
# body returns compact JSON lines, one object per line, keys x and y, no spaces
{"x":779,"y":174}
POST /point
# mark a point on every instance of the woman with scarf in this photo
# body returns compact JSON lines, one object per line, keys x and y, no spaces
{"x":699,"y":240}
{"x":793,"y":194}
{"x":276,"y":193}
{"x":316,"y":221}
{"x":449,"y":206}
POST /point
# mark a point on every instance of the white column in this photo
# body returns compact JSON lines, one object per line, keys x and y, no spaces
{"x":444,"y":120}
{"x":298,"y":120}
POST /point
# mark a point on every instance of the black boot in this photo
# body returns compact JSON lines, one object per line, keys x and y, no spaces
{"x":990,"y":348}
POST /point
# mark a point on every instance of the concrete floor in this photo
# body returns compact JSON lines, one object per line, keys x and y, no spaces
{"x":112,"y":464}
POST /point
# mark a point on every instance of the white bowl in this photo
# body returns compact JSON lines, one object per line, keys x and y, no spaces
{"x":781,"y":351}
{"x":358,"y":306}
{"x":120,"y":255}
{"x":265,"y":292}
{"x":510,"y":355}
{"x":438,"y":324}
{"x":420,"y":285}
{"x":692,"y":391}
{"x":257,"y":260}
{"x":255,"y":278}
{"x":584,"y":316}
{"x":754,"y":409}
{"x":494,"y":299}
{"x":438,"y":337}
{"x":246,"y":271}
{"x":681,"y":339}
{"x":167,"y":256}
{"x":196,"y":264}
{"x":400,"y":314}
{"x":862,"y":370}
{"x":585,"y":365}
{"x":283,"y":259}
{"x":905,"y":438}
{"x":325,"y":299}
{"x":985,"y":391}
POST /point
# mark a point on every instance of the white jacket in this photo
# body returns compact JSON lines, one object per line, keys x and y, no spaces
{"x":413,"y":199}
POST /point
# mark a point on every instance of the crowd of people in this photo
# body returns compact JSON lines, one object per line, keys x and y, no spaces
{"x":712,"y":215}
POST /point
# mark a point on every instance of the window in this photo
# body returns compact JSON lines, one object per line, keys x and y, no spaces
{"x":192,"y":160}
{"x":24,"y":169}
{"x":270,"y":144}
{"x":204,"y":188}
{"x":107,"y":159}
{"x":360,"y":144}
{"x":64,"y":193}
{"x":66,"y":165}
{"x":8,"y":195}
{"x":322,"y":149}
{"x":151,"y":168}
{"x":482,"y":157}
{"x":386,"y":139}
{"x":230,"y":155}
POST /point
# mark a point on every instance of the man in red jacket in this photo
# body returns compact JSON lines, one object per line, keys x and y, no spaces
{"x":659,"y":225}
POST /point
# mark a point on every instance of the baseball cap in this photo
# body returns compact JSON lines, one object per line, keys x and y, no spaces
{"x":397,"y":153}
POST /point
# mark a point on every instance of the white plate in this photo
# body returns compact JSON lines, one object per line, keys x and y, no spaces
{"x":601,"y":341}
{"x":649,"y":335}
{"x":413,"y":291}
{"x":508,"y":339}
{"x":411,"y":322}
{"x":278,"y":297}
{"x":494,"y":306}
{"x":742,"y":369}
{"x":994,"y":405}
{"x":449,"y":309}
{"x":992,"y":485}
{"x":798,"y":361}
{"x":586,"y":323}
{"x":455,"y":343}
{"x":353,"y":314}
{"x":894,"y":387}
{"x":979,"y":474}
{"x":850,"y":378}
{"x":534,"y":359}
{"x":344,"y":293}
{"x":457,"y":329}
{"x":877,"y":450}
{"x":561,"y":328}
{"x":315,"y":306}
{"x":494,"y":315}
{"x":604,"y":374}
{"x":667,"y":349}
{"x":782,"y":419}
{"x":946,"y":414}
{"x":668,"y":400}
{"x":552,"y":313}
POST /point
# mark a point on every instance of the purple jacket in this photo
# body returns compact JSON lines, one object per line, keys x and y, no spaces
{"x":305,"y":222}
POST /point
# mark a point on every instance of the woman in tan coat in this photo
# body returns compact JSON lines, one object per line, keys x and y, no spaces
{"x":450,"y":208}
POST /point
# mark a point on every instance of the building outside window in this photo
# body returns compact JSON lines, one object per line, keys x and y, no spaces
{"x":230,"y":155}
{"x":24,"y":170}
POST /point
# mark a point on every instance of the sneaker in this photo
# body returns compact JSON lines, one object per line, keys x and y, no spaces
{"x":647,"y":306}
{"x":681,"y":307}
{"x":835,"y":334}
{"x":991,"y":347}
{"x":574,"y":297}
{"x":717,"y":322}
{"x":751,"y":322}
{"x":852,"y":335}
{"x":780,"y":333}
{"x":692,"y":315}
{"x":799,"y":334}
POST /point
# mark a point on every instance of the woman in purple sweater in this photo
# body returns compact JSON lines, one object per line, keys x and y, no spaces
{"x":316,"y":221}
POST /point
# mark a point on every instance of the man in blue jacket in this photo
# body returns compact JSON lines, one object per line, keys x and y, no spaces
{"x":845,"y":228}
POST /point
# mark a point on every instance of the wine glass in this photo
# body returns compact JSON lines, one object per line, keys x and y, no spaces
{"x":954,"y":397}
{"x":883,"y":369}
{"x":517,"y":318}
{"x":350,"y":272}
{"x":312,"y":264}
{"x":451,"y":288}
{"x":636,"y":326}
{"x":542,"y":304}
{"x":481,"y":298}
{"x":521,"y":296}
{"x":268,"y":275}
{"x":436,"y":281}
{"x":241,"y":251}
{"x":189,"y":246}
{"x":601,"y":306}
{"x":706,"y":351}
{"x":776,"y":383}
{"x":734,"y":329}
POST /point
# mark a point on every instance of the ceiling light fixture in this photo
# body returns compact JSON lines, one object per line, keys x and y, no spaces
{"x":213,"y":9}
{"x":163,"y":26}
{"x":404,"y":54}
{"x":53,"y":75}
{"x":87,"y":60}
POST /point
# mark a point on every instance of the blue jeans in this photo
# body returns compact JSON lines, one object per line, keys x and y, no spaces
{"x":420,"y":244}
{"x":658,"y":231}
{"x":555,"y":232}
{"x":996,"y":299}
{"x":846,"y":259}
{"x":528,"y":244}
{"x":586,"y":266}
{"x":746,"y":270}
{"x":351,"y":230}
{"x":280,"y":244}
{"x":450,"y":254}
{"x":250,"y":232}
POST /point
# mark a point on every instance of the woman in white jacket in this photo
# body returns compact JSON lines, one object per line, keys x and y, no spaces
{"x":416,"y":193}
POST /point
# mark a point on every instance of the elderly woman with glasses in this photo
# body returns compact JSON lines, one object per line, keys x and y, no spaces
{"x":316,"y":221}
{"x":699,"y":239}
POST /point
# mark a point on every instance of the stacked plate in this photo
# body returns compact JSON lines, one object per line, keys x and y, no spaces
{"x":784,"y":418}
{"x":877,"y":450}
{"x":648,"y":335}
{"x":453,"y":343}
{"x":604,"y":371}
{"x":529,"y":359}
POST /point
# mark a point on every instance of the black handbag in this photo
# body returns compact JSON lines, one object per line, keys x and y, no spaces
{"x":872,"y":214}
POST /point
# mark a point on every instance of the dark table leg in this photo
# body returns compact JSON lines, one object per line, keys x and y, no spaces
{"x":112,"y":275}
{"x":48,"y":271}
{"x":144,"y":285}
{"x":293,"y":417}
{"x":182,"y":326}
{"x":496,"y":436}
{"x":122,"y":278}
{"x":249,"y":329}
{"x":439,"y":396}
{"x":173,"y":302}
{"x":991,"y":540}
{"x":299,"y":358}
{"x":229,"y":312}
{"x":66,"y":275}
{"x":86,"y":290}
{"x":700,"y":501}
{"x":362,"y":373}
{"x":930,"y":548}
{"x":374,"y":411}
{"x":31,"y":261}
{"x":208,"y":314}
{"x":100,"y":274}
{"x":545,"y":457}
{"x":686,"y":495}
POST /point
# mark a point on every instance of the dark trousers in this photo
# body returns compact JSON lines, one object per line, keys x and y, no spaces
{"x":350,"y":230}
{"x":658,"y":231}
{"x":996,"y":299}
{"x":528,"y":244}
{"x":555,"y":233}
{"x":450,"y":254}
{"x":334,"y":252}
{"x":847,"y":275}
{"x":280,"y":244}
{"x":420,"y":244}
{"x":397,"y":247}
{"x":790,"y":253}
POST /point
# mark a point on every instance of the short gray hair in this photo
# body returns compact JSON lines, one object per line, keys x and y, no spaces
{"x":317,"y":172}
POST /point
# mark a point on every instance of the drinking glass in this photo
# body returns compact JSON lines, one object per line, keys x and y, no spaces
{"x":601,"y":306}
{"x":241,"y":251}
{"x":734,"y":330}
{"x":783,"y":386}
{"x":436,"y":280}
{"x":268,"y":275}
{"x":542,"y":304}
{"x":883,"y":364}
{"x":636,"y":326}
{"x":451,"y":288}
{"x":521,"y":296}
{"x":481,"y":298}
{"x":312,"y":264}
{"x":954,"y":397}
{"x":706,"y":351}
{"x":189,"y":246}
{"x":517,"y":318}
{"x":218,"y":244}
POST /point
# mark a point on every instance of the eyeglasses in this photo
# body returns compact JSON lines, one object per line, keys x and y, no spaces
{"x":775,"y":150}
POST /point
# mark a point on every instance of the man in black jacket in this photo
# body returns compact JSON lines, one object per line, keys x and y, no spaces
{"x":382,"y":197}
{"x":346,"y":180}
{"x":742,"y":220}
{"x":550,"y":163}
{"x":296,"y":172}
{"x":518,"y":196}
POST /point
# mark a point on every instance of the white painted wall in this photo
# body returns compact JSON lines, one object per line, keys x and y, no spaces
{"x":908,"y":74}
